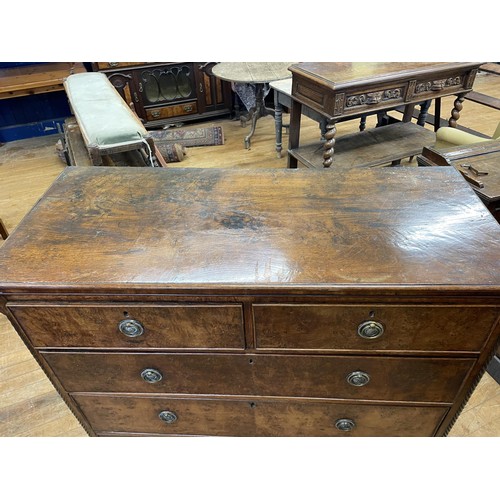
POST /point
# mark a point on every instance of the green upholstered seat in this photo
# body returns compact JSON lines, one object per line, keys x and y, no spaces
{"x":103,"y":116}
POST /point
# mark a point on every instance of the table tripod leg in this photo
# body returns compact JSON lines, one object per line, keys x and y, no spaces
{"x":255,"y":116}
{"x":257,"y":112}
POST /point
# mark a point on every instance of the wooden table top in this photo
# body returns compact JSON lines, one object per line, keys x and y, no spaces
{"x":283,"y":86}
{"x":31,"y":79}
{"x":265,"y":230}
{"x":337,"y":75}
{"x":252,"y":72}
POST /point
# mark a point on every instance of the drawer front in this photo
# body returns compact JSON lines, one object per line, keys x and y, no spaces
{"x":443,"y":85}
{"x":383,"y":97}
{"x":407,"y":328}
{"x":113,"y":65}
{"x":178,"y":416}
{"x":172,"y":111}
{"x":172,"y":326}
{"x":341,"y":377}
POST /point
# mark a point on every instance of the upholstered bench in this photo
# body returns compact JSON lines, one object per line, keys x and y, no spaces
{"x":106,"y":123}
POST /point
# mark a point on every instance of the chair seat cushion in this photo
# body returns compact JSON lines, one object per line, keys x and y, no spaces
{"x":103,"y":116}
{"x":458,"y":137}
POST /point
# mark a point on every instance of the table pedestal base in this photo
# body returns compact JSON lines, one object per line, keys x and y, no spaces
{"x":257,"y":111}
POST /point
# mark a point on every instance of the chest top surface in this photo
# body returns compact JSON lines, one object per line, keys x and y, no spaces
{"x":337,"y":75}
{"x":254,"y":229}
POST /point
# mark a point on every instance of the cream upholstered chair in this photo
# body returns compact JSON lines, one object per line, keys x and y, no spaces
{"x":458,"y":137}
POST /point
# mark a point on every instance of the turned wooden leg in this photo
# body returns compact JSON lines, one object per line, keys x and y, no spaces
{"x":424,"y":109}
{"x":328,"y":147}
{"x":362,"y":123}
{"x":278,"y":122}
{"x":455,"y":112}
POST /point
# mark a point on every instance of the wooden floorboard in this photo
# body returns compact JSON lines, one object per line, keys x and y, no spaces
{"x":29,"y":404}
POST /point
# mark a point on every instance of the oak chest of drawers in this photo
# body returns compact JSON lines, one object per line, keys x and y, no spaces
{"x":261,"y":302}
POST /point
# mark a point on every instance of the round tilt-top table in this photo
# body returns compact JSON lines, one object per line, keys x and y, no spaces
{"x":258,"y":74}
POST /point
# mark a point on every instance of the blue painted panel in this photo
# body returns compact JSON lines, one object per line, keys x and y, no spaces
{"x":17,"y":64}
{"x":34,"y":129}
{"x":32,"y":116}
{"x":32,"y":108}
{"x":19,"y":115}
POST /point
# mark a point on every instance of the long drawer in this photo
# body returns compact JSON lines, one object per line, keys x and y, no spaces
{"x":342,"y":377}
{"x":244,"y":417}
{"x":172,"y":110}
{"x":400,"y":328}
{"x":112,"y":326}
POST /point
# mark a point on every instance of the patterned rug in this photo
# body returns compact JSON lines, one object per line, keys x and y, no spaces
{"x":190,"y":137}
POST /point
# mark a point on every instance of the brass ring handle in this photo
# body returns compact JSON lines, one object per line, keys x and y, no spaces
{"x":358,"y":378}
{"x":370,"y":330}
{"x":345,"y":424}
{"x":151,"y":375}
{"x":131,"y":328}
{"x":169,"y":417}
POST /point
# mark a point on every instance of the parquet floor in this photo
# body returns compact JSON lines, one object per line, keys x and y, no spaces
{"x":30,"y":406}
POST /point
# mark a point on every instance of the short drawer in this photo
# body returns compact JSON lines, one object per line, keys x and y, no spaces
{"x":132,"y":326}
{"x":219,"y":417}
{"x":159,"y":113}
{"x":340,"y":377}
{"x":446,"y":84}
{"x":399,"y":328}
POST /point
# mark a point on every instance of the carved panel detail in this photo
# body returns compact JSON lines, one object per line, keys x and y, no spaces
{"x":371,"y":98}
{"x":436,"y":85}
{"x":339,"y":104}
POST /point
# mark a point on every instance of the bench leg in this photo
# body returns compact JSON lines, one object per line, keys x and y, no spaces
{"x":3,"y":230}
{"x":95,"y":156}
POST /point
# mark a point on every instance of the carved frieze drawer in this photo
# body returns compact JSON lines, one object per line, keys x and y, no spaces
{"x":445,"y":85}
{"x":364,"y":101}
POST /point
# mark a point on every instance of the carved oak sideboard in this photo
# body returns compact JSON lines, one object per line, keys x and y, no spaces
{"x":257,"y":302}
{"x":173,"y":92}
